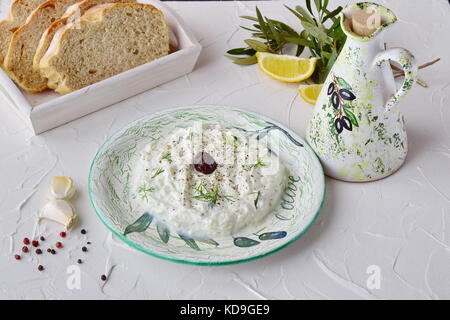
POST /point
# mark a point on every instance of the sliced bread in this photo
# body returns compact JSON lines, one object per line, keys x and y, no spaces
{"x":72,"y":13}
{"x":107,"y":40}
{"x":18,"y":14}
{"x":22,"y":48}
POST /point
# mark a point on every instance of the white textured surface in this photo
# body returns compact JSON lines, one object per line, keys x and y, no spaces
{"x":401,"y":224}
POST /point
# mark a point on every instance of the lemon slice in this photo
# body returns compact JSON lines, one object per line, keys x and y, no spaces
{"x":284,"y":67}
{"x":310,"y":92}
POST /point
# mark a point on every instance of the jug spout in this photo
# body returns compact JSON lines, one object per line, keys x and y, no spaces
{"x":363,"y":21}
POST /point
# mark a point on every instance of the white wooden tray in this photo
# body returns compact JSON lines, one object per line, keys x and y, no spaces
{"x":47,"y":110}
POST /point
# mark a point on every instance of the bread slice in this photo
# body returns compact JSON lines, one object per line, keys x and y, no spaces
{"x":18,"y":14}
{"x":22,"y":48}
{"x":72,"y":13}
{"x":107,"y":40}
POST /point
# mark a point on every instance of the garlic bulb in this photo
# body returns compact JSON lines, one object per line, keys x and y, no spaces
{"x":62,"y":188}
{"x":59,"y":211}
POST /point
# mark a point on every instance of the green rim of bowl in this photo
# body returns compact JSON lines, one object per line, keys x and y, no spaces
{"x":136,"y":246}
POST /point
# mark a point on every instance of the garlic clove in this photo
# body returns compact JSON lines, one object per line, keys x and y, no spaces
{"x":59,"y":211}
{"x":62,"y":188}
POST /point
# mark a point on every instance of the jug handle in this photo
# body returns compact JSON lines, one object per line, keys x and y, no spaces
{"x":408,"y":63}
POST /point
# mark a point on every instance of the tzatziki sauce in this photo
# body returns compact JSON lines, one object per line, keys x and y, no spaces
{"x":208,"y":180}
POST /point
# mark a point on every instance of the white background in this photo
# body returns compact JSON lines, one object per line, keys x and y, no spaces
{"x":401,"y":224}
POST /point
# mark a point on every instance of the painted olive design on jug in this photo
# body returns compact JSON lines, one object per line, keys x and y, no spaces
{"x":341,"y":96}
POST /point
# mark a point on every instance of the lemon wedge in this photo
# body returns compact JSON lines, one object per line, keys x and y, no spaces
{"x":310,"y":92}
{"x":284,"y":67}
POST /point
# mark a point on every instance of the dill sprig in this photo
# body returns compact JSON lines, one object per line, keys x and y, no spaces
{"x":232,"y":140}
{"x":157,"y":172}
{"x":235,"y":141}
{"x":258,"y":163}
{"x":167,"y":157}
{"x":210,"y":196}
{"x":144,"y":190}
{"x":257,"y":199}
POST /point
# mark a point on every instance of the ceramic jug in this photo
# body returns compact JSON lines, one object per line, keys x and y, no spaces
{"x":357,"y":129}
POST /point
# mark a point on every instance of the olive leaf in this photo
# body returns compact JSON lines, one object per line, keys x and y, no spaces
{"x":332,"y":14}
{"x":327,"y":55}
{"x":298,"y":15}
{"x":257,"y":45}
{"x":243,"y":61}
{"x":343,"y":84}
{"x":299,"y":41}
{"x":252,"y":30}
{"x":308,"y":6}
{"x":274,"y":32}
{"x":307,"y":17}
{"x":333,"y":28}
{"x":163,"y":231}
{"x":283,"y":28}
{"x":189,"y":241}
{"x":351,"y":116}
{"x":140,"y":225}
{"x":317,"y":32}
{"x":249,"y":18}
{"x":261,"y":22}
{"x":242,"y":51}
{"x":331,"y":60}
{"x":244,"y":242}
{"x":272,"y":235}
{"x":318,"y":4}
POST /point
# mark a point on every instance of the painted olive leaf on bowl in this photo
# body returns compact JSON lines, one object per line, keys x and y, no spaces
{"x":140,"y":225}
{"x":244,"y":242}
{"x":189,"y":241}
{"x":163,"y":231}
{"x":272,"y":235}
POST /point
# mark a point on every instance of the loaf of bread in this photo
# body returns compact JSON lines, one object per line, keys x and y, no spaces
{"x":107,"y":40}
{"x":22,"y":48}
{"x":18,"y":14}
{"x":72,"y":13}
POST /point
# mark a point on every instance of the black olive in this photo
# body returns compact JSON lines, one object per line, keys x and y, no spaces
{"x":347,"y":123}
{"x":204,"y":163}
{"x":335,"y":100}
{"x":338,"y":125}
{"x":347,"y":95}
{"x":330,"y":88}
